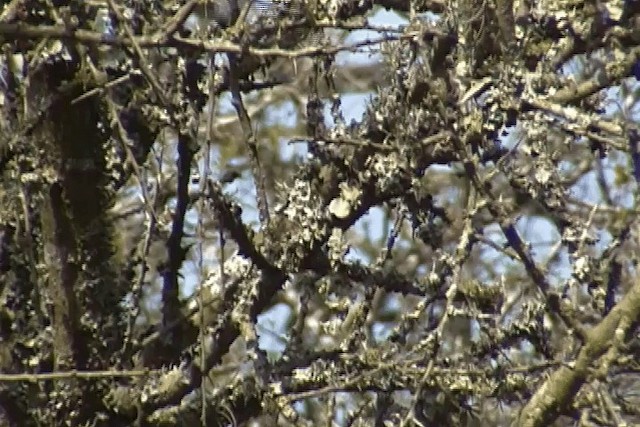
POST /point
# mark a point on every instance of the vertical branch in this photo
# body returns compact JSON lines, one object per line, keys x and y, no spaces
{"x":85,"y":187}
{"x":200,"y":299}
{"x":61,"y":255}
{"x":506,"y":21}
{"x":206,"y":172}
{"x":175,"y":251}
{"x":250,"y":140}
{"x":634,"y":148}
{"x":315,"y":111}
{"x":61,"y":252}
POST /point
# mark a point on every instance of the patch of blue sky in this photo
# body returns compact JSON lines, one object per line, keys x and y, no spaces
{"x":499,"y":261}
{"x":586,"y":188}
{"x":603,"y":240}
{"x":539,"y":232}
{"x":353,"y":107}
{"x":371,"y":224}
{"x":284,"y":114}
{"x":357,"y":255}
{"x":541,"y":236}
{"x":291,"y":151}
{"x":622,"y":195}
{"x":365,"y":55}
{"x":345,"y":405}
{"x":272,"y":328}
{"x":392,"y":303}
{"x":381,"y":331}
{"x":224,"y":104}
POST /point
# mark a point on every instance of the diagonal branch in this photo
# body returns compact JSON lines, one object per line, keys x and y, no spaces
{"x":557,"y":392}
{"x":231,"y":221}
